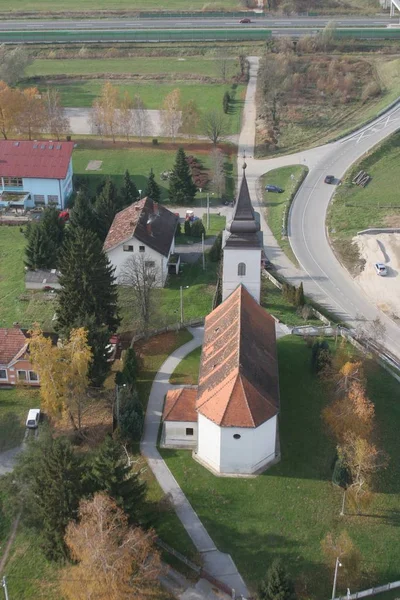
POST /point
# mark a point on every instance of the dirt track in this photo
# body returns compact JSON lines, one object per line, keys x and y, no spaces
{"x":383,"y":291}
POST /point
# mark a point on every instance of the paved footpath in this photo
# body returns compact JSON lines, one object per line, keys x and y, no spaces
{"x":218,"y":564}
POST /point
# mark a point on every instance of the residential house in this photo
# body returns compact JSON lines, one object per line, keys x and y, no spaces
{"x":14,"y":359}
{"x":35,"y":173}
{"x":144,"y":229}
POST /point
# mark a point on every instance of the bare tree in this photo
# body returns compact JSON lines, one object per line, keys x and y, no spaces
{"x":13,"y":62}
{"x":223,"y":64}
{"x":57,"y":121}
{"x":104,"y":117}
{"x":141,"y":124}
{"x":172,"y":113}
{"x":217,"y":172}
{"x":141,"y":273}
{"x":214,"y":126}
{"x":190,"y":118}
{"x":125,"y":115}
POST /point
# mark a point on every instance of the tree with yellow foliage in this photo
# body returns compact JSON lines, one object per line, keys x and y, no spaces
{"x":63,"y":373}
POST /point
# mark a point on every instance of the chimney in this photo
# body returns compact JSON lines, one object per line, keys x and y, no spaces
{"x":155,"y":208}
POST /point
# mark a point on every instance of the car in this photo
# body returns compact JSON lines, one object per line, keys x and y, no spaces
{"x":380,"y":269}
{"x":329,"y":179}
{"x":273,"y":188}
{"x":245,"y":20}
{"x":33,"y":418}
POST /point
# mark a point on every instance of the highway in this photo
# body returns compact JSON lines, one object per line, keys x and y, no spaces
{"x":189,"y":23}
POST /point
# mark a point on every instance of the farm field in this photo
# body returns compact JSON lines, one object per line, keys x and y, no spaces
{"x":118,"y":5}
{"x":289,"y":509}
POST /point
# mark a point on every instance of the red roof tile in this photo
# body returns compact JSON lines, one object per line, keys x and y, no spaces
{"x":180,"y":405}
{"x":44,"y":160}
{"x":239,"y":381}
{"x":12,"y":341}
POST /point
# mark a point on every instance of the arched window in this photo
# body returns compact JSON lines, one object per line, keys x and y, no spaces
{"x":241,"y":269}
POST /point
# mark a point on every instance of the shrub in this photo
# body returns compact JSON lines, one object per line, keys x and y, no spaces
{"x":188,"y":229}
{"x":154,"y":141}
{"x":226,"y":102}
{"x":216,"y":250}
{"x":198,"y":228}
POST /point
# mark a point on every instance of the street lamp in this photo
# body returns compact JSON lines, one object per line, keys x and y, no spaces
{"x":337,"y":565}
{"x":140,"y":194}
{"x":185,"y":287}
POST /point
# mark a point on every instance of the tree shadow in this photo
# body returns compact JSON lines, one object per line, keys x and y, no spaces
{"x":11,"y":430}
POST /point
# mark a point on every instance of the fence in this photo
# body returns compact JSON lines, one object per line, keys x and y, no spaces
{"x":371,"y":591}
{"x":379,"y":230}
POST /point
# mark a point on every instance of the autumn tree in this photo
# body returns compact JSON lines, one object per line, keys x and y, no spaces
{"x":112,"y":560}
{"x":153,"y":190}
{"x":141,"y":120}
{"x":32,"y":113}
{"x":172,"y":113}
{"x":104,"y":115}
{"x":190,"y":118}
{"x":125,"y":115}
{"x":57,"y":123}
{"x":13,"y":62}
{"x":218,"y":172}
{"x":341,"y":547}
{"x":214,"y":126}
{"x":9,"y":108}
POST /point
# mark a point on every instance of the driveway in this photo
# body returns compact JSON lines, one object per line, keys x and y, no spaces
{"x":8,"y":459}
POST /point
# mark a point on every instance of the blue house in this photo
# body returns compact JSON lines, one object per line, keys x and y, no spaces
{"x":35,"y":173}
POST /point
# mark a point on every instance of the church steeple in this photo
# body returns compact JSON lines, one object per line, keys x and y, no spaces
{"x":243,"y":219}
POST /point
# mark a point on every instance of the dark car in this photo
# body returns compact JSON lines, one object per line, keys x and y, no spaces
{"x":273,"y":188}
{"x":330,"y":179}
{"x":245,"y":20}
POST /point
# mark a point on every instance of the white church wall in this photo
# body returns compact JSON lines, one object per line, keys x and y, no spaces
{"x":230,"y":277}
{"x":209,"y":442}
{"x":250,"y":452}
{"x":177,"y":434}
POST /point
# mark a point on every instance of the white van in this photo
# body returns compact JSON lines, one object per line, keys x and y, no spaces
{"x":33,"y":418}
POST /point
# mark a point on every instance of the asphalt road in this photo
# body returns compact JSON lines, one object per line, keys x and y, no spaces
{"x":308,"y":236}
{"x":188,"y":23}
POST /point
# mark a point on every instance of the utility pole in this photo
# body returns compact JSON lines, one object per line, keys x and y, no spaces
{"x":202,"y":250}
{"x":208,"y":211}
{"x":181,"y":292}
{"x":4,"y":584}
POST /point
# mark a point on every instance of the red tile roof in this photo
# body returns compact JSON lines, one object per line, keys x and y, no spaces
{"x":180,"y":405}
{"x":12,"y":341}
{"x":43,"y":160}
{"x":239,"y":381}
{"x":150,"y":222}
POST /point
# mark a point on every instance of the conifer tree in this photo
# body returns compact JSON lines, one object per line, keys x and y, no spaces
{"x":153,"y":190}
{"x":277,"y":585}
{"x":182,"y":190}
{"x":130,"y":367}
{"x":110,"y":473}
{"x":188,"y":229}
{"x":107,"y":205}
{"x":299,"y":295}
{"x":44,"y":241}
{"x":82,"y":214}
{"x":129,"y":191}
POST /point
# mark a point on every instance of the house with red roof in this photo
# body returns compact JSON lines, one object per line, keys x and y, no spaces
{"x":15,"y":365}
{"x":144,"y":231}
{"x":35,"y":173}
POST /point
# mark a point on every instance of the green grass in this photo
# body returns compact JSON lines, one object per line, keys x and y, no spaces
{"x":273,"y":300}
{"x":187,"y":372}
{"x":14,"y":407}
{"x":117,"y":5}
{"x":289,"y":509}
{"x":276,"y":204}
{"x":355,"y":208}
{"x":217,"y":224}
{"x":139,"y":161}
{"x":12,"y":285}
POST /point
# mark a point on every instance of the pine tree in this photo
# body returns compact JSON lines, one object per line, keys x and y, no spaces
{"x":110,"y":473}
{"x":299,"y":296}
{"x":182,"y":190}
{"x":188,"y":229}
{"x":198,"y":228}
{"x":129,"y":191}
{"x":44,"y":241}
{"x":107,"y":205}
{"x":82,"y":214}
{"x":216,"y":249}
{"x":277,"y":585}
{"x":130,"y":367}
{"x":153,"y":190}
{"x":226,"y":101}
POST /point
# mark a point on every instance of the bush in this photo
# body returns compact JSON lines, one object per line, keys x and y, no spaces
{"x":226,"y":102}
{"x":198,"y":228}
{"x":216,"y":250}
{"x":154,"y":141}
{"x":320,"y":356}
{"x":188,"y":229}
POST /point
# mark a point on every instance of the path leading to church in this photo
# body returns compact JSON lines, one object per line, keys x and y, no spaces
{"x":218,"y":564}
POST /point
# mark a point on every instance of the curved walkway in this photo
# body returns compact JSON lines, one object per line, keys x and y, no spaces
{"x":216,"y":563}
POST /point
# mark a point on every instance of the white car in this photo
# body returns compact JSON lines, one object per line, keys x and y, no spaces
{"x":380,"y":269}
{"x":33,"y":418}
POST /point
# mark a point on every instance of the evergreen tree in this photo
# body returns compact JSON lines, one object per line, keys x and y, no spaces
{"x":299,"y":296}
{"x":182,"y":190}
{"x":109,"y":472}
{"x":216,"y":249}
{"x":107,"y":205}
{"x":47,"y":479}
{"x":130,"y":367}
{"x":226,"y":101}
{"x":198,"y":228}
{"x":44,"y":241}
{"x":188,"y":229}
{"x":277,"y":585}
{"x":129,"y":191}
{"x":82,"y":214}
{"x":153,"y":190}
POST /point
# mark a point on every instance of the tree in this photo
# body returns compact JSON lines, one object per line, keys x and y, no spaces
{"x":340,"y":546}
{"x":141,"y":274}
{"x":320,"y":356}
{"x":47,"y":485}
{"x":104,"y":116}
{"x":141,"y":121}
{"x":13,"y":62}
{"x":112,"y":560}
{"x":106,"y":206}
{"x":125,"y":115}
{"x":172,"y":113}
{"x":226,"y":100}
{"x":222,"y":63}
{"x":187,"y":228}
{"x":110,"y":473}
{"x":130,"y":367}
{"x":82,"y":214}
{"x":44,"y":240}
{"x":216,"y":249}
{"x":182,"y":190}
{"x":153,"y":190}
{"x":277,"y":585}
{"x":9,"y":108}
{"x":214,"y":126}
{"x":32,"y":113}
{"x":129,"y":191}
{"x":190,"y":118}
{"x":299,"y":297}
{"x":217,"y":172}
{"x":131,"y":415}
{"x":57,"y":123}
{"x":198,"y":229}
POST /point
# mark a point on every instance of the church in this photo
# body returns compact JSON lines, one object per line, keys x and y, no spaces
{"x":230,"y":420}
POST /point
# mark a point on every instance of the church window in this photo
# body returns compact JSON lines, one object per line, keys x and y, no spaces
{"x":237,"y":436}
{"x":241,"y":269}
{"x":189,"y":430}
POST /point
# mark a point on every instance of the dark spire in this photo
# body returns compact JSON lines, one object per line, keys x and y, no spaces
{"x":243,"y":220}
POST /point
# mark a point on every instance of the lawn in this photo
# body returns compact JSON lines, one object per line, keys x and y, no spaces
{"x":272,"y":299}
{"x":16,"y":303}
{"x":289,"y":179}
{"x":355,"y":208}
{"x":187,"y":372}
{"x":118,"y":5}
{"x":139,"y":161}
{"x":289,"y":509}
{"x":217,"y":224}
{"x":14,"y":407}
